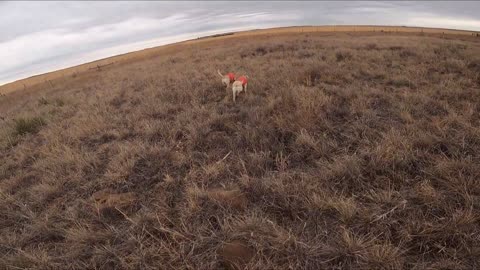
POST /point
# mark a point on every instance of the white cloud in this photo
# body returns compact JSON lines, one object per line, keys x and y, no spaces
{"x":23,"y":51}
{"x":428,"y":20}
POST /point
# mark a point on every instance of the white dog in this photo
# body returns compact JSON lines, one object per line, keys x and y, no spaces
{"x":227,"y":79}
{"x":239,"y":85}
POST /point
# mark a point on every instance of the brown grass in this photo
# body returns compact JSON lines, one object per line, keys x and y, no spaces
{"x":350,"y":150}
{"x":72,"y":72}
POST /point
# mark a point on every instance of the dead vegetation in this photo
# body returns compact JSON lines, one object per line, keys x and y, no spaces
{"x":28,"y":125}
{"x":348,"y":151}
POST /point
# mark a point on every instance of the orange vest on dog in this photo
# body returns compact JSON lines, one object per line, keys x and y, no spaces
{"x":243,"y":79}
{"x":231,"y":76}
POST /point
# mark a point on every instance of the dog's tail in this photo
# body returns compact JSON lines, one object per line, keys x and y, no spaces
{"x":218,"y":71}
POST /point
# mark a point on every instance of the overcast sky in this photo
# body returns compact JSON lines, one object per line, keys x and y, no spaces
{"x":38,"y":37}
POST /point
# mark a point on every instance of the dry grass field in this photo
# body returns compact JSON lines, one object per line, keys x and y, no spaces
{"x":66,"y":73}
{"x":350,"y":151}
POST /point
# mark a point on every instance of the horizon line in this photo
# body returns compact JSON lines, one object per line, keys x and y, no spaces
{"x":219,"y":34}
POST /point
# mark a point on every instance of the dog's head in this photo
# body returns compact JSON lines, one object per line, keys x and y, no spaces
{"x":225,"y":80}
{"x":228,"y":78}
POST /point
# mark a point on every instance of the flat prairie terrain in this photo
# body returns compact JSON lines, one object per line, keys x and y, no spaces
{"x":65,"y":74}
{"x":356,"y":150}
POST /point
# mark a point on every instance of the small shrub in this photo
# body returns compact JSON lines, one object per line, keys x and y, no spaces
{"x":396,"y":48}
{"x":407,"y":53}
{"x":312,"y":75}
{"x":474,"y":65}
{"x":401,"y":82}
{"x":305,"y":54}
{"x":343,"y":55}
{"x":454,"y":66}
{"x":260,"y":51}
{"x":368,"y":75}
{"x":275,"y":48}
{"x":59,"y":102}
{"x":43,"y":101}
{"x":371,"y":46}
{"x":28,"y":125}
{"x":449,"y":49}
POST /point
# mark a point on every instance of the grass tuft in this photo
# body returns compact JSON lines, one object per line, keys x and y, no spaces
{"x":28,"y":125}
{"x":343,"y":55}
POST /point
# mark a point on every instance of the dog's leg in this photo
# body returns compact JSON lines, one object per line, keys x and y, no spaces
{"x":233,"y":91}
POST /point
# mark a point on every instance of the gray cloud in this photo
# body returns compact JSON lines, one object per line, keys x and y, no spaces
{"x":38,"y":37}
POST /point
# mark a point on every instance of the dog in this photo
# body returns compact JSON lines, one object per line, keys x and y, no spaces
{"x":239,"y":85}
{"x":227,"y":79}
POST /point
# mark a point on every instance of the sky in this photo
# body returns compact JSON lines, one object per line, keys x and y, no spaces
{"x":39,"y":36}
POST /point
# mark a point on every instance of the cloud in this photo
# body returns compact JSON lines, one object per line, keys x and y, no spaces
{"x":23,"y":51}
{"x":429,"y":20}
